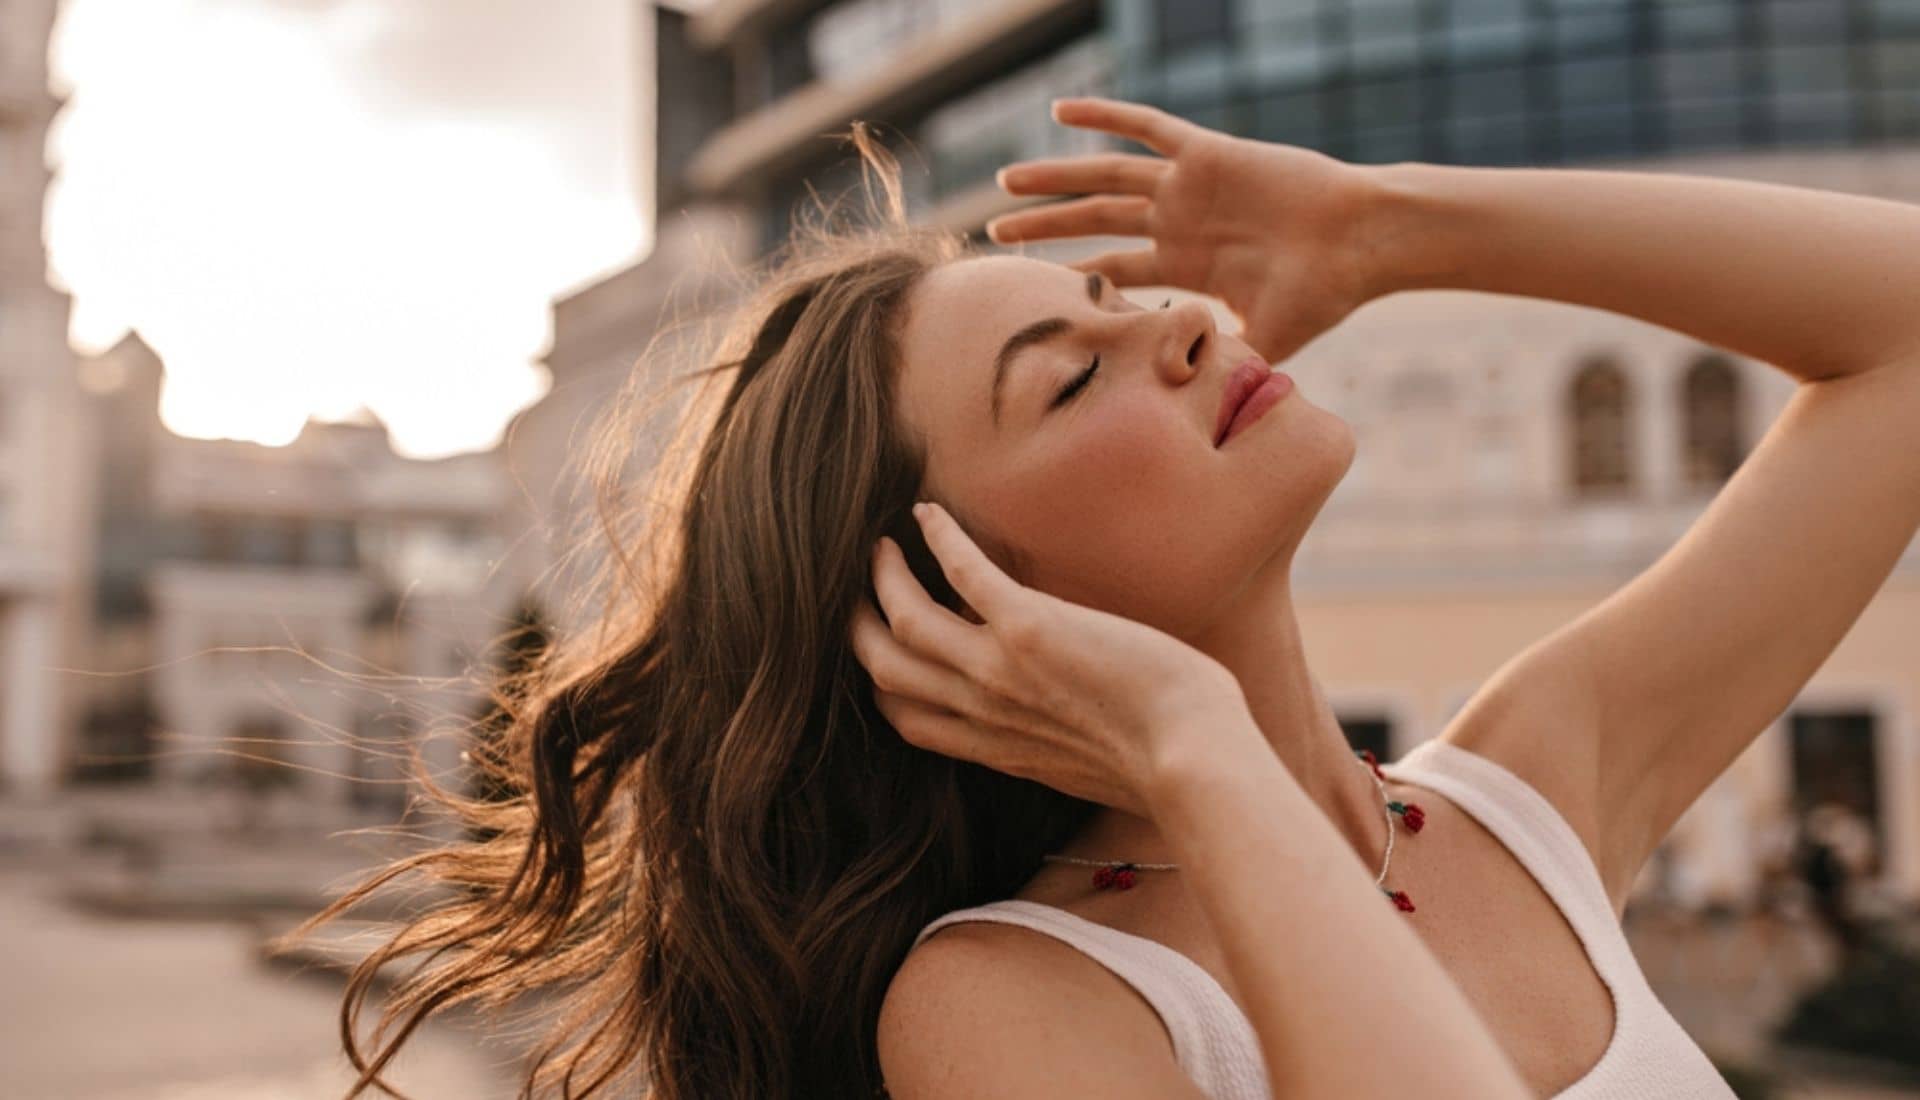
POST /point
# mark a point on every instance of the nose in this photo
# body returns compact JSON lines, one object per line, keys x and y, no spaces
{"x":1189,"y":335}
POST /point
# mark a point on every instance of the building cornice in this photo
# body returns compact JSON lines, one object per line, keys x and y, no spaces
{"x":920,"y":74}
{"x":722,"y":21}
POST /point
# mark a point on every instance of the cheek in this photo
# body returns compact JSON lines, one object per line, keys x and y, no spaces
{"x":1131,"y":452}
{"x":1116,"y":496}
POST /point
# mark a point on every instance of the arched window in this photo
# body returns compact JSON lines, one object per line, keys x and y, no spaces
{"x":1599,"y":414}
{"x":1710,"y":396}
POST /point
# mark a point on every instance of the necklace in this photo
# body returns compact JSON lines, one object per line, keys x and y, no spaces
{"x":1120,"y":875}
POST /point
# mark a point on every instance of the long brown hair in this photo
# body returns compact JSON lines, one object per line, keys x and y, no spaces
{"x":703,"y":836}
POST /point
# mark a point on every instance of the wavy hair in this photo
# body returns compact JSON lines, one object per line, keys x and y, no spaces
{"x":703,"y":843}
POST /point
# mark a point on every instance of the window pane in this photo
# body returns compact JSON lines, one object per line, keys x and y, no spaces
{"x":1386,"y":144}
{"x":1792,"y":70}
{"x":1386,"y":102}
{"x":1897,"y":64}
{"x":971,"y":136}
{"x":1597,"y":132}
{"x":1488,"y":139}
{"x":1485,"y":30}
{"x":1701,"y":124}
{"x":1384,"y":36}
{"x":1806,"y":20}
{"x":1697,"y":22}
{"x":1597,"y":29}
{"x":1698,"y":74}
{"x":1599,"y":411}
{"x":1596,"y":81}
{"x":1285,"y":50}
{"x":1488,"y":92}
{"x":1896,"y":15}
{"x":1185,"y":24}
{"x":1710,"y":397}
{"x":1813,"y":118}
{"x":1294,"y":118}
{"x":1486,"y":121}
{"x":1900,"y":113}
{"x":1213,"y":114}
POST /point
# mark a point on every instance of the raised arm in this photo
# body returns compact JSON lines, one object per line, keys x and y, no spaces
{"x":1816,"y":283}
{"x":1650,"y":695}
{"x":1691,"y":660}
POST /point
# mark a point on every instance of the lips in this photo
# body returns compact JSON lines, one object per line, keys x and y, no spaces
{"x":1246,"y":378}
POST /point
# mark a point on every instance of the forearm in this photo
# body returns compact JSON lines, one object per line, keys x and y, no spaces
{"x":1346,"y":999}
{"x":1817,"y":283}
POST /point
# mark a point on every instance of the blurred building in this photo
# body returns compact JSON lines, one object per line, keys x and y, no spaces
{"x":749,"y":97}
{"x":1519,"y":459}
{"x":284,"y":617}
{"x":45,"y":542}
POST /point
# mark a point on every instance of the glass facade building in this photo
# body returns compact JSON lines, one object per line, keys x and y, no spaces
{"x":1495,"y":82}
{"x":1528,"y":81}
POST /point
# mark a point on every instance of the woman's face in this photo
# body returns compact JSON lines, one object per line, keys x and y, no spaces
{"x":1114,"y":495}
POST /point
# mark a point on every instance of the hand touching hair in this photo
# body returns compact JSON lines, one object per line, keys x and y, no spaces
{"x":711,"y":844}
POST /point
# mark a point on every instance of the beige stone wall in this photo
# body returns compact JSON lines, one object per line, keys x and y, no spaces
{"x":45,"y":509}
{"x":1457,"y":539}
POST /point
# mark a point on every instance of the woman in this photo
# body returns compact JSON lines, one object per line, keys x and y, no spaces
{"x":1548,"y":790}
{"x":790,"y":840}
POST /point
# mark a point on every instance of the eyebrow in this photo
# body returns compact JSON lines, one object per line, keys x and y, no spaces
{"x":1039,"y":332}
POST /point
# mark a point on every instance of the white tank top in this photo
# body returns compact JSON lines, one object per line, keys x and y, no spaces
{"x":1648,"y":1058}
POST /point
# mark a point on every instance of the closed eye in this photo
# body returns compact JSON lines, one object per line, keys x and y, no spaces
{"x":1080,"y":380}
{"x":1071,"y":388}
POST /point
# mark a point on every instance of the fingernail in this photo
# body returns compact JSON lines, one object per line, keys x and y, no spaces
{"x":920,"y":510}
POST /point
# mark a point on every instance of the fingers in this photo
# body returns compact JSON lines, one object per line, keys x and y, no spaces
{"x":1111,"y":173}
{"x":916,"y":619}
{"x":1115,"y":215}
{"x":926,"y":726}
{"x":996,"y":596}
{"x":897,"y":670}
{"x":1150,"y":126}
{"x":1138,"y":267}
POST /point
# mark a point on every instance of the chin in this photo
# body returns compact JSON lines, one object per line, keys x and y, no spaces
{"x":1323,"y":449}
{"x":1352,"y":447}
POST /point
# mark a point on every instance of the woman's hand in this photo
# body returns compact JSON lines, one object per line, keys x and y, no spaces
{"x":1277,"y":232}
{"x":1081,"y":700}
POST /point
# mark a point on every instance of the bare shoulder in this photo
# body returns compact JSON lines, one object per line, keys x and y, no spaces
{"x":1537,"y":717}
{"x":990,"y":1009}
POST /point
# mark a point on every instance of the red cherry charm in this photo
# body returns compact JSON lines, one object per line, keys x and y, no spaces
{"x":1123,"y":879}
{"x":1414,"y":816}
{"x":1372,"y":761}
{"x":1401,"y":901}
{"x":1103,"y":878}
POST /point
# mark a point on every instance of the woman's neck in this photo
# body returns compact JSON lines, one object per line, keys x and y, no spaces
{"x":1260,"y":644}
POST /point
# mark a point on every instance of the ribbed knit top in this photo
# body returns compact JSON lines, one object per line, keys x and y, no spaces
{"x":1648,"y":1058}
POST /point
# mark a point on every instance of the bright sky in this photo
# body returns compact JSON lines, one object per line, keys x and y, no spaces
{"x":309,"y":206}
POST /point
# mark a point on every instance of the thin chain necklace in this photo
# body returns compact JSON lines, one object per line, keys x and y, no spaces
{"x":1121,"y":875}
